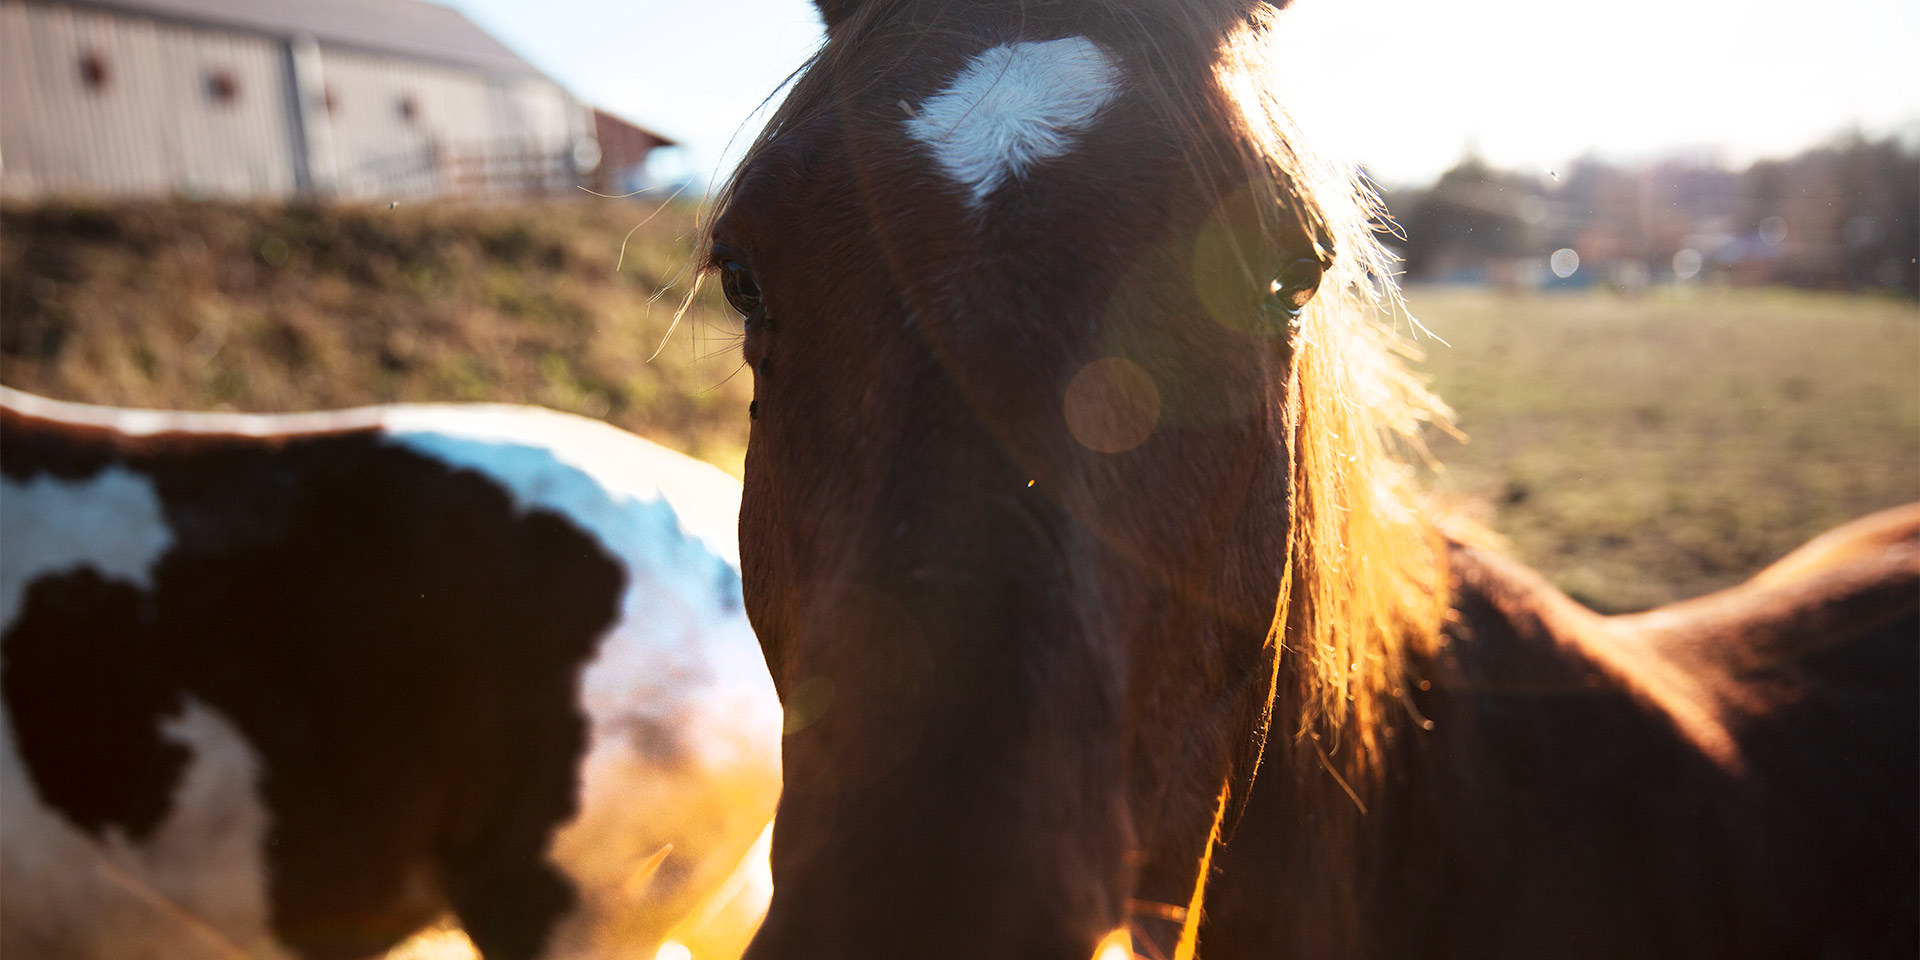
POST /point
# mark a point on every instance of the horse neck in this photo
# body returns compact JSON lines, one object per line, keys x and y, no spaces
{"x":1558,"y":786}
{"x":1332,"y":842}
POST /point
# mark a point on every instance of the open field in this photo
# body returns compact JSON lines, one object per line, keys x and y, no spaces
{"x":1644,"y":450}
{"x":1637,"y":450}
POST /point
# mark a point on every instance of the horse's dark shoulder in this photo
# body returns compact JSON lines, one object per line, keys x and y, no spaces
{"x":1553,"y":802}
{"x":1527,"y":805}
{"x":1814,"y":668}
{"x":1732,"y":776}
{"x":1816,"y":663}
{"x":397,"y":641}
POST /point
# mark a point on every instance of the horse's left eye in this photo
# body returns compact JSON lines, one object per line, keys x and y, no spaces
{"x":736,"y":281}
{"x":1297,"y":284}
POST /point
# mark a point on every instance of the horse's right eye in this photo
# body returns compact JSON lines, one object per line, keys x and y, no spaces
{"x":736,"y":281}
{"x":1296,"y":285}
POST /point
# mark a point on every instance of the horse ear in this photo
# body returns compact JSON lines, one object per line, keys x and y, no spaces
{"x":836,"y":11}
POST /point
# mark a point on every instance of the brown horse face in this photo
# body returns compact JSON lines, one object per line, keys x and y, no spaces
{"x":1015,"y":493}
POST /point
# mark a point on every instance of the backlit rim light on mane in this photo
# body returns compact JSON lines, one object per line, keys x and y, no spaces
{"x":1364,"y":578}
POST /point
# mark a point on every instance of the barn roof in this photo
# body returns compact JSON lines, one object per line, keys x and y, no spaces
{"x":406,"y":27}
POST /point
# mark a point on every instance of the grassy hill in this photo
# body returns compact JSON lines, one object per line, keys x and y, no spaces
{"x":269,"y":308}
{"x":1637,"y":450}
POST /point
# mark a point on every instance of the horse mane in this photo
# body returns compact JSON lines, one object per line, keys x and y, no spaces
{"x":1365,"y":584}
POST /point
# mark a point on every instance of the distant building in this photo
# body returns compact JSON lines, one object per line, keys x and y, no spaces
{"x":624,"y":149}
{"x":367,"y":99}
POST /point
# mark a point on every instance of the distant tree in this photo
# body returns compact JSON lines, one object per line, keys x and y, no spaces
{"x":1471,"y":215}
{"x":1843,"y":215}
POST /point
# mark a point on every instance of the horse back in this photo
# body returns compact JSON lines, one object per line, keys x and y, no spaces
{"x":1814,"y":667}
{"x":1734,"y":775}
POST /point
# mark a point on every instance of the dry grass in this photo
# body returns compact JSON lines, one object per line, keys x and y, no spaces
{"x":270,"y":308}
{"x":1645,"y":450}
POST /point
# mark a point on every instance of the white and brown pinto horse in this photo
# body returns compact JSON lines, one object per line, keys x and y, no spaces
{"x":1075,"y":487}
{"x":301,"y":685}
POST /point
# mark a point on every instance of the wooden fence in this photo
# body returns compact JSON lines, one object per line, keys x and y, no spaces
{"x":464,"y":171}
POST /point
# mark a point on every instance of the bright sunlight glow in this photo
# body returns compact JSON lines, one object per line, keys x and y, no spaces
{"x":1405,"y":86}
{"x":1117,"y":945}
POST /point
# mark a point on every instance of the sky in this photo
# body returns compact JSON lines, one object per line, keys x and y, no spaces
{"x":1405,"y":86}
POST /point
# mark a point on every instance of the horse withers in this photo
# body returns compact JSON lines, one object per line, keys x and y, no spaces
{"x":1076,"y":487}
{"x":303,"y":685}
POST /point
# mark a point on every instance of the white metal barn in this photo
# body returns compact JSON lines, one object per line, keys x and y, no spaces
{"x":271,"y":98}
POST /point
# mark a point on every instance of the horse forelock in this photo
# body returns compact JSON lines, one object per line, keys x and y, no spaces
{"x":1365,"y":584}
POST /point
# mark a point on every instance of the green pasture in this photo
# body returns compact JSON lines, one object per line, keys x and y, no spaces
{"x":1636,"y":449}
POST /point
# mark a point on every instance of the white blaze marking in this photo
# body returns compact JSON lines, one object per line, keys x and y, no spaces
{"x":685,"y":724}
{"x":1014,"y":106}
{"x":110,"y":521}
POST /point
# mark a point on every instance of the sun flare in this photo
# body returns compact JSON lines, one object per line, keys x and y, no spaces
{"x":1117,"y":945}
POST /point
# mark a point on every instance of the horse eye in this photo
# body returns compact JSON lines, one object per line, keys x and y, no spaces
{"x":1297,"y":284}
{"x":743,"y":294}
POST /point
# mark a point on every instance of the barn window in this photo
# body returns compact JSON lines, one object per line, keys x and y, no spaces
{"x":94,"y":71}
{"x":409,"y":108}
{"x":222,"y":87}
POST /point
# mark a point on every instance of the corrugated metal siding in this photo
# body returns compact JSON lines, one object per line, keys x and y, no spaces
{"x":461,"y":119}
{"x":153,"y":127}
